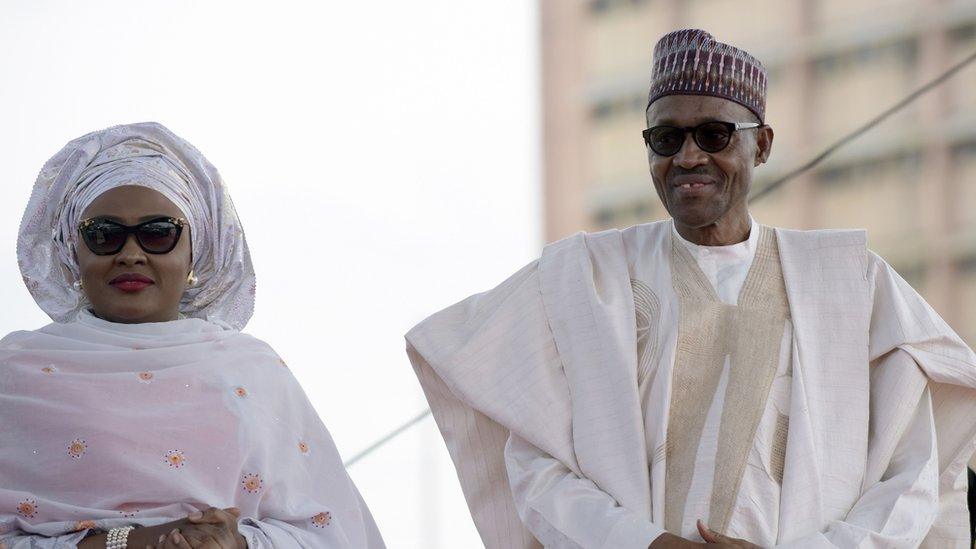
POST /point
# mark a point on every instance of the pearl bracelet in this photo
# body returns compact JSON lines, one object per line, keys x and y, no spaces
{"x":118,"y":537}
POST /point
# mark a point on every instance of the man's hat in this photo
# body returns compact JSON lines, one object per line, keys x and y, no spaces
{"x":691,"y":62}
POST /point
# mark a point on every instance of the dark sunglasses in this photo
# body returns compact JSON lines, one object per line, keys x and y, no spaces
{"x":710,"y":137}
{"x":107,"y":237}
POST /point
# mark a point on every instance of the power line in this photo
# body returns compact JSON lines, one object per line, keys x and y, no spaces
{"x":859,"y":131}
{"x":759,"y":194}
{"x":393,"y":434}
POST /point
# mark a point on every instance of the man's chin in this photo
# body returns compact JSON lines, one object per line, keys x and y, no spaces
{"x":694,"y":219}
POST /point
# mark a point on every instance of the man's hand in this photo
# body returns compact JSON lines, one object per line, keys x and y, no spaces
{"x":671,"y":541}
{"x":212,"y":529}
{"x":713,"y":539}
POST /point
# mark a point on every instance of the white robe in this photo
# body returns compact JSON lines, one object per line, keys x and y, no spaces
{"x":549,"y":356}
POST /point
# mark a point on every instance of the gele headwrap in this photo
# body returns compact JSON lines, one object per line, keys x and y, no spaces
{"x":148,"y":155}
{"x":691,"y":62}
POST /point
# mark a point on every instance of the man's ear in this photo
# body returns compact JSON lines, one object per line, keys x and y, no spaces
{"x":764,"y":144}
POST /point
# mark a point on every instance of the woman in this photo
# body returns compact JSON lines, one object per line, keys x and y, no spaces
{"x":142,"y":416}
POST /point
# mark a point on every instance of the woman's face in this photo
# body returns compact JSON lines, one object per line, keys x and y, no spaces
{"x":111,"y":300}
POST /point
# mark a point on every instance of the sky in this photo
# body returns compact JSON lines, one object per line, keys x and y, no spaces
{"x":384,"y":158}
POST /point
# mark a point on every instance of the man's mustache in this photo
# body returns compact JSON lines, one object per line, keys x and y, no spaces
{"x":698,"y":170}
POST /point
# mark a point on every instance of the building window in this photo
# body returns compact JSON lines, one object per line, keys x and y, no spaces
{"x":905,"y":52}
{"x":964,"y":34}
{"x":871,"y":169}
{"x":605,"y":6}
{"x":625,"y":105}
{"x":965,"y":149}
{"x":913,"y":274}
{"x":605,"y":218}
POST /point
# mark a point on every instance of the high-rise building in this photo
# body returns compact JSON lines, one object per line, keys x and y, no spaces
{"x":833,"y":65}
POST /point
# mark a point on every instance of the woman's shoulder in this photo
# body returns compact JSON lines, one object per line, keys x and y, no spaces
{"x":21,"y":339}
{"x":13,"y":340}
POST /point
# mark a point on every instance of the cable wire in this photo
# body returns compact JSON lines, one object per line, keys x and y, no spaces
{"x":861,"y":130}
{"x":756,"y":196}
{"x":393,"y":434}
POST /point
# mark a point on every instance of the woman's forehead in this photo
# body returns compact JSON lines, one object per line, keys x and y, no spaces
{"x":131,"y":204}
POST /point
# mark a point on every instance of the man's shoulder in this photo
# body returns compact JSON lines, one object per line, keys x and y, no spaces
{"x":822,"y":241}
{"x":607,"y":235}
{"x":838,"y":235}
{"x":823,"y":251}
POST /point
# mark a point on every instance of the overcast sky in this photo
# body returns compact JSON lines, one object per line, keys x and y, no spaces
{"x":383,"y":157}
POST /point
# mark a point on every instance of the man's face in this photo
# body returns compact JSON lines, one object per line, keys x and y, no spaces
{"x":698,"y":188}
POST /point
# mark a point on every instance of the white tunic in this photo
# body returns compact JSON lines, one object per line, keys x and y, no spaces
{"x":544,"y":367}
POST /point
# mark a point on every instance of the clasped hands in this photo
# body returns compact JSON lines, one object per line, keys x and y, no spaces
{"x":712,"y":539}
{"x":211,"y":529}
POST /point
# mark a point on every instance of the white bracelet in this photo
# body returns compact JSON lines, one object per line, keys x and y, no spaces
{"x":118,"y":537}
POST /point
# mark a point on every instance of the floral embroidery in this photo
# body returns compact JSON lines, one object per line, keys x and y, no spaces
{"x":252,"y":483}
{"x":282,"y":362}
{"x":241,"y":392}
{"x":77,"y":448}
{"x":84,"y":525}
{"x":303,"y":448}
{"x":31,"y":284}
{"x":49,"y":369}
{"x":145,"y":377}
{"x":175,"y":459}
{"x":322,"y":520}
{"x":27,"y":508}
{"x":128,"y":511}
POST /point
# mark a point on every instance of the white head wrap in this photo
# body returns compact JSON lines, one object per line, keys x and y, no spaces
{"x":147,"y":155}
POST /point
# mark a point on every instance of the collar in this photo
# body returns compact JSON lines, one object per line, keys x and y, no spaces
{"x":734,"y":252}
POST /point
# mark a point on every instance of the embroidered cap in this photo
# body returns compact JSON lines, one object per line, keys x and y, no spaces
{"x":692,"y":62}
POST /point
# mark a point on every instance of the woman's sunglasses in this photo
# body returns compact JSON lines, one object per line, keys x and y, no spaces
{"x":710,"y":137}
{"x":107,"y":237}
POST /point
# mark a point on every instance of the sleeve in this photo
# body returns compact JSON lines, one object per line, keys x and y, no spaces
{"x":33,"y":541}
{"x":270,"y":533}
{"x":897,"y":511}
{"x":277,"y":534}
{"x":565,"y":511}
{"x":915,"y":501}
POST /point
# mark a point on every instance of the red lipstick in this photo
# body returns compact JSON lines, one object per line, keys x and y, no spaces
{"x":131,"y":282}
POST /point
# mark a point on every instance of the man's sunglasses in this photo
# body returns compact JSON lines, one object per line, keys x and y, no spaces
{"x":710,"y":137}
{"x":107,"y":237}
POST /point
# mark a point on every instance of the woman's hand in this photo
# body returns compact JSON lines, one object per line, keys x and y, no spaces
{"x":143,"y":536}
{"x":211,"y":529}
{"x":171,"y":540}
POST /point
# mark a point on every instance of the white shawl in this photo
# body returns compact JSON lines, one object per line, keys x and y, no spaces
{"x":105,"y":424}
{"x":550,"y":355}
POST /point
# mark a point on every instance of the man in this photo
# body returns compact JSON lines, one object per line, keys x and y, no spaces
{"x":704,"y":380}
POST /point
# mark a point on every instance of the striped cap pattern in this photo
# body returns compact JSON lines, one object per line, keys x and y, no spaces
{"x":692,"y":62}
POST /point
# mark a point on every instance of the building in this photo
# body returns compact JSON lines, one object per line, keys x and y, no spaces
{"x":833,"y":65}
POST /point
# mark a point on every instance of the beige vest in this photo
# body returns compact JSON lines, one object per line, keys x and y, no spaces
{"x":750,"y":336}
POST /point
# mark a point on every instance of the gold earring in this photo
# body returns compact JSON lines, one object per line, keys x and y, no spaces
{"x":191,"y":279}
